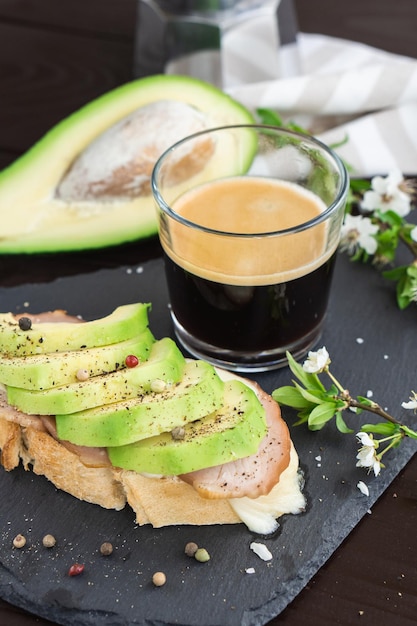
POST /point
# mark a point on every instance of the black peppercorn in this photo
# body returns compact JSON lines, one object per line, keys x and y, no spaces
{"x":25,"y":323}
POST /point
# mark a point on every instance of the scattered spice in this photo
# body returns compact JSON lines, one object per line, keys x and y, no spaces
{"x":159,"y":579}
{"x":106,"y":548}
{"x":261,"y":550}
{"x":25,"y":323}
{"x":82,"y":375}
{"x":158,"y":385}
{"x":202,"y":555}
{"x":49,"y":541}
{"x":76,"y":569}
{"x":19,"y":541}
{"x":131,"y":360}
{"x":178,"y":433}
{"x":190,"y":548}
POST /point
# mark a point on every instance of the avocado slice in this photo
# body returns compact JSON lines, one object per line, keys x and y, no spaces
{"x":233,"y":432}
{"x":42,"y":371}
{"x":41,"y":211}
{"x":199,"y":393}
{"x":124,"y":322}
{"x":165,"y":363}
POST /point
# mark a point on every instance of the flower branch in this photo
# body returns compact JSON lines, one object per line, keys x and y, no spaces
{"x":375,"y":226}
{"x":317,"y":405}
{"x":375,"y":223}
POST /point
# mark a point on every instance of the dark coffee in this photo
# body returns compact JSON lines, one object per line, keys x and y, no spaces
{"x":250,"y":319}
{"x":246,"y":294}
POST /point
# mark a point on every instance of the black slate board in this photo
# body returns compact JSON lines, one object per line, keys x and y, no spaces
{"x":117,"y":590}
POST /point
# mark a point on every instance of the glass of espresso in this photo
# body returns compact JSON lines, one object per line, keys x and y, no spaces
{"x":249,"y":222}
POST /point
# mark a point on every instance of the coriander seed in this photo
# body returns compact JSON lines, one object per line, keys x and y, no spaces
{"x":190,"y":548}
{"x":82,"y":375}
{"x":202,"y":555}
{"x":48,"y":541}
{"x":106,"y":548}
{"x":159,"y":579}
{"x":158,"y":385}
{"x":19,"y":541}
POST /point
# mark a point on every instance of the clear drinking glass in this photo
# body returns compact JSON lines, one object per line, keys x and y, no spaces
{"x":249,"y":222}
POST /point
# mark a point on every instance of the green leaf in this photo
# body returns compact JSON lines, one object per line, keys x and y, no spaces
{"x":384,"y":428}
{"x":310,"y":381}
{"x":360,"y":185}
{"x":390,"y":217}
{"x":410,"y":433}
{"x":303,"y":416}
{"x":396,"y":273}
{"x":269,"y":117}
{"x":365,"y":401}
{"x":320,"y":415}
{"x":312,"y":395}
{"x":290,"y":396}
{"x":339,"y":144}
{"x":406,"y":277}
{"x":341,"y":424}
{"x":297,"y":370}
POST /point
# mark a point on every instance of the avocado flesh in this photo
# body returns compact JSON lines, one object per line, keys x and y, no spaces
{"x":165,"y":363}
{"x":123,"y":323}
{"x":36,"y":219}
{"x":233,"y":432}
{"x":42,"y":371}
{"x":199,"y":393}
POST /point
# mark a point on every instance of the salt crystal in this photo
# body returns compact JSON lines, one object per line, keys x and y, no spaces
{"x":369,"y":393}
{"x":250,"y":570}
{"x":261,"y":550}
{"x":359,"y":340}
{"x":363,"y":488}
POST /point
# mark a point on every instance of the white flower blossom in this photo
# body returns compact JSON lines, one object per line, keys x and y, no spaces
{"x":358,"y":232}
{"x":316,"y":361}
{"x":387,"y":195}
{"x":413,"y":234}
{"x":367,"y":456}
{"x":412,"y":404}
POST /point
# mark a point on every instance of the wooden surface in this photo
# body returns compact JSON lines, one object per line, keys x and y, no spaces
{"x":56,"y":56}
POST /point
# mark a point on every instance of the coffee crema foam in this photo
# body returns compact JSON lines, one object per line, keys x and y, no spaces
{"x":248,"y":205}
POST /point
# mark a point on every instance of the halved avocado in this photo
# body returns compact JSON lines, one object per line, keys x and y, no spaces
{"x":42,"y":209}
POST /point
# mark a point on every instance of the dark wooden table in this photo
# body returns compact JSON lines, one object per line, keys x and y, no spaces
{"x":56,"y":56}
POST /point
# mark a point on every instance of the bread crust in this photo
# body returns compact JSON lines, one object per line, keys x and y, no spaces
{"x":160,"y":501}
{"x":169,"y":501}
{"x":10,"y":444}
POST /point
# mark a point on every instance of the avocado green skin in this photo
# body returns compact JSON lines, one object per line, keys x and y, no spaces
{"x":199,"y":393}
{"x":125,"y":322}
{"x":233,"y":432}
{"x":34,"y":220}
{"x":37,"y":372}
{"x":165,"y":362}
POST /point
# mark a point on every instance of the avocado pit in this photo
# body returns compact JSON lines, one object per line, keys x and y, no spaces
{"x":118,"y":164}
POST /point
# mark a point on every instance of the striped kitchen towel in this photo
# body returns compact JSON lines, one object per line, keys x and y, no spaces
{"x":348,"y":89}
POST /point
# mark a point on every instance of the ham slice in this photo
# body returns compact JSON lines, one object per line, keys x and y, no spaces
{"x":14,"y":415}
{"x":50,"y":316}
{"x":254,"y":475}
{"x":90,"y":456}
